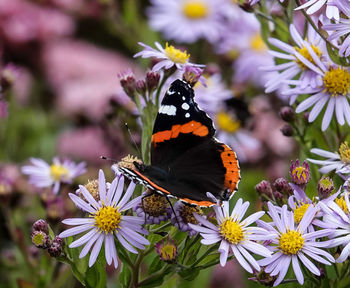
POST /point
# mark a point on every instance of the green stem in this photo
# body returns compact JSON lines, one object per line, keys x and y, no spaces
{"x":205,"y":254}
{"x":267,"y":17}
{"x":80,"y":277}
{"x":159,"y":274}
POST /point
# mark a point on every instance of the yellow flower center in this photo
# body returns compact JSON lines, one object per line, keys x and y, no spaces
{"x":337,"y":82}
{"x":226,"y":123}
{"x":299,"y":212}
{"x":57,"y":172}
{"x":168,"y":252}
{"x":176,"y":55}
{"x":342,"y":204}
{"x":107,"y":219}
{"x":257,"y":43}
{"x":299,"y":172}
{"x":291,"y":242}
{"x":344,"y":151}
{"x":195,"y":9}
{"x":231,"y":231}
{"x":306,"y":54}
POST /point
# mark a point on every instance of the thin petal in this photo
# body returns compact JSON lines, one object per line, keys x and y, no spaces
{"x":96,"y":250}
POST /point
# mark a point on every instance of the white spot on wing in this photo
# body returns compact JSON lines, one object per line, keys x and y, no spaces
{"x":168,"y":110}
{"x":183,"y":98}
{"x":170,"y":92}
{"x":185,"y":106}
{"x":187,"y":115}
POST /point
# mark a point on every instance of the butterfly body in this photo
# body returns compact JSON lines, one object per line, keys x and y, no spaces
{"x":186,"y":160}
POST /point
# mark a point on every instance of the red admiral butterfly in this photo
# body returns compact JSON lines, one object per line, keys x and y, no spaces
{"x":186,"y":160}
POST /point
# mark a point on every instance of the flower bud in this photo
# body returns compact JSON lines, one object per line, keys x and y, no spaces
{"x":141,"y":87}
{"x":128,"y":82}
{"x":40,"y":239}
{"x":55,"y":248}
{"x":325,"y":187}
{"x":264,"y":188}
{"x":167,"y":250}
{"x":152,"y":80}
{"x":287,"y":130}
{"x":192,"y":75}
{"x":282,"y":186}
{"x":287,"y":114}
{"x":300,"y":175}
{"x":41,"y":225}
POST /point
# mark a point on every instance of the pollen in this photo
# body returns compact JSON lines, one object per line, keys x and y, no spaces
{"x":128,"y":162}
{"x":231,"y":231}
{"x":226,"y":123}
{"x":257,"y":43}
{"x":291,"y":242}
{"x":306,"y":54}
{"x":337,"y":82}
{"x":186,"y":214}
{"x":299,"y":212}
{"x":195,"y":9}
{"x":92,"y":187}
{"x":155,"y":205}
{"x":176,"y":55}
{"x":57,"y":172}
{"x":107,"y":219}
{"x":344,"y":151}
{"x":342,"y":204}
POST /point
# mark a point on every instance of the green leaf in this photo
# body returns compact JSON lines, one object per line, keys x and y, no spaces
{"x":155,"y":266}
{"x":96,"y":276}
{"x":125,"y":276}
{"x":190,"y":274}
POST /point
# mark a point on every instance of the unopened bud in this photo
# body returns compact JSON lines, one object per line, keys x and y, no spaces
{"x":128,"y":82}
{"x":141,"y":87}
{"x":41,"y":225}
{"x":287,"y":114}
{"x":40,"y":239}
{"x":282,"y":185}
{"x":325,"y":187}
{"x":192,"y":74}
{"x":55,"y":249}
{"x":300,"y":175}
{"x":152,"y":80}
{"x":265,"y":188}
{"x":287,"y":130}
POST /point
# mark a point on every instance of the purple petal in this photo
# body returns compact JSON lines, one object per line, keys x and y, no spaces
{"x":249,"y":257}
{"x":96,"y":250}
{"x":75,"y":230}
{"x":102,"y":186}
{"x":88,"y":245}
{"x":81,"y":203}
{"x":82,"y":240}
{"x":223,"y":250}
{"x":240,"y":259}
{"x":297,"y":271}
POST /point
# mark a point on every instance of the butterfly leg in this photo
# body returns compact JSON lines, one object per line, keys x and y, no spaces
{"x":172,"y":209}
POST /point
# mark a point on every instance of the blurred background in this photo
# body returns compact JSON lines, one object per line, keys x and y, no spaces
{"x":61,"y":96}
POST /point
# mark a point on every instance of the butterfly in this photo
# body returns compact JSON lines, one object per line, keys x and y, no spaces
{"x":187,"y":161}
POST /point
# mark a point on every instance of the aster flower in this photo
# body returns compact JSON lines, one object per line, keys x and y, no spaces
{"x":341,"y":29}
{"x":106,"y":221}
{"x":292,"y":243}
{"x":234,"y":234}
{"x":167,"y":250}
{"x":294,"y":57}
{"x":334,"y":90}
{"x":151,"y":208}
{"x":300,"y":175}
{"x":333,"y":7}
{"x":340,"y":162}
{"x":168,"y":57}
{"x":337,"y":213}
{"x":42,"y":174}
{"x":186,"y":20}
{"x":184,"y":217}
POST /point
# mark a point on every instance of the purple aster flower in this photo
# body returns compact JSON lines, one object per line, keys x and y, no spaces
{"x":167,"y":250}
{"x":106,"y":221}
{"x":168,"y":57}
{"x":341,"y":29}
{"x":292,"y":243}
{"x":337,"y":213}
{"x":42,"y":174}
{"x":187,"y":20}
{"x":334,"y":90}
{"x":333,"y":7}
{"x":234,"y":234}
{"x":340,"y":162}
{"x":152,"y":208}
{"x":300,"y":174}
{"x":294,"y":57}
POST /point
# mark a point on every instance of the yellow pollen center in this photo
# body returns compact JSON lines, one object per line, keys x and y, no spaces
{"x":226,"y":123}
{"x":231,"y":231}
{"x":107,"y":219}
{"x":306,"y":54}
{"x":257,"y":43}
{"x":57,"y":172}
{"x":176,"y":55}
{"x":299,"y":172}
{"x":299,"y":212}
{"x":342,"y":204}
{"x":291,"y":242}
{"x":337,"y":82}
{"x":168,"y":251}
{"x":344,"y":151}
{"x":195,"y":10}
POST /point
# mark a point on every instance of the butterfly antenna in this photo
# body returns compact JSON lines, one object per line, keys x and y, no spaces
{"x":108,"y":159}
{"x":133,"y":140}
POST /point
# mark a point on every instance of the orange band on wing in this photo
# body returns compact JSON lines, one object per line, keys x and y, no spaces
{"x":193,"y":127}
{"x":230,"y":162}
{"x":154,"y":185}
{"x":199,"y":203}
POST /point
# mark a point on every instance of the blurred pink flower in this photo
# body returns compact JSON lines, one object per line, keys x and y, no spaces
{"x":85,"y":77}
{"x":87,"y":144}
{"x":22,"y":21}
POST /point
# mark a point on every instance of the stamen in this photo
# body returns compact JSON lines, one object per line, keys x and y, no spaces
{"x":344,"y":151}
{"x":57,"y":172}
{"x":176,"y":55}
{"x":231,"y":231}
{"x":195,"y":10}
{"x":107,"y":219}
{"x":291,"y":242}
{"x":337,"y":82}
